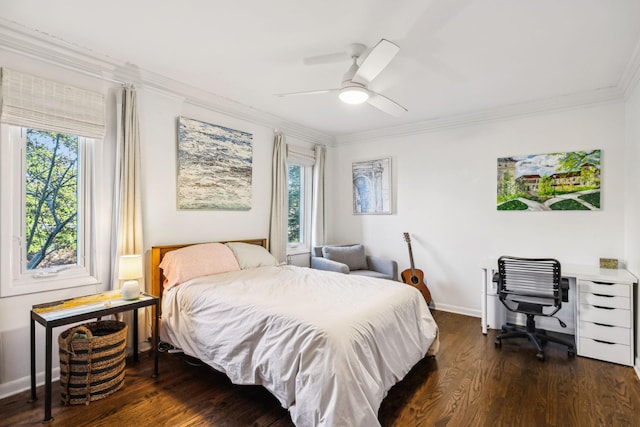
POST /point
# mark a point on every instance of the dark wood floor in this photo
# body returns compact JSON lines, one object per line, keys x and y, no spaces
{"x":470,"y":383}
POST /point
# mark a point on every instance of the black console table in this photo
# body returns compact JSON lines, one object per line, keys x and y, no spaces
{"x":74,"y":310}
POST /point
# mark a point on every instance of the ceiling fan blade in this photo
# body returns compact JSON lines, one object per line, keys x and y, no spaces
{"x":353,"y":49}
{"x":310,"y":92}
{"x":386,"y":105}
{"x":376,"y":61}
{"x":325,"y":59}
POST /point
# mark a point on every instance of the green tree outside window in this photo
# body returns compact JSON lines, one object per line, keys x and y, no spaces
{"x":51,"y":199}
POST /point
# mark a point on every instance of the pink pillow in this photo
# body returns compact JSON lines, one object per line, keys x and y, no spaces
{"x":195,"y":261}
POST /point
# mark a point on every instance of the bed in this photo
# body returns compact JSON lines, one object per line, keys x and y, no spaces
{"x":328,"y":346}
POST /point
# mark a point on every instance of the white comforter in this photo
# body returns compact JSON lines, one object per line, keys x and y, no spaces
{"x":328,"y":346}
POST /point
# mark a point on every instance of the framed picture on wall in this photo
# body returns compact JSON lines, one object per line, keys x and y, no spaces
{"x":214,"y":166}
{"x":566,"y":181}
{"x":372,"y":187}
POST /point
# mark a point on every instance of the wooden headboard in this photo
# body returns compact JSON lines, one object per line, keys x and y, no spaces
{"x":158,"y":252}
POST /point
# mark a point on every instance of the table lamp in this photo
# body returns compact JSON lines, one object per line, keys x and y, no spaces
{"x":130,"y":269}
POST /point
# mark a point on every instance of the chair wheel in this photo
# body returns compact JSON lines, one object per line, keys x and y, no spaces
{"x":540,"y":356}
{"x":498,"y":343}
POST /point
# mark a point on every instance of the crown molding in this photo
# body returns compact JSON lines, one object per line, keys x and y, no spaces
{"x":559,"y":103}
{"x":32,"y":44}
{"x":44,"y":47}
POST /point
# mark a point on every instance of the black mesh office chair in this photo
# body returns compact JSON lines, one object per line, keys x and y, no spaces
{"x":534,"y":287}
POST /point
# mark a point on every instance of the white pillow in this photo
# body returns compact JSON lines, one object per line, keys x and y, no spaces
{"x":251,"y":256}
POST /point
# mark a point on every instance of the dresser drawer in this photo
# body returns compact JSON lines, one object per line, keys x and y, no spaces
{"x":616,"y":353}
{"x":615,"y":289}
{"x":614,"y":334}
{"x":606,"y":316}
{"x":605,"y":300}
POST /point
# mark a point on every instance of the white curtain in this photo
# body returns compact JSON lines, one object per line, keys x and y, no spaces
{"x":279,"y":199}
{"x":128,"y":203}
{"x":317,"y":215}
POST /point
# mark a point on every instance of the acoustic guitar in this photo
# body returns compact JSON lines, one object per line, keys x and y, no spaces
{"x":414,"y":276}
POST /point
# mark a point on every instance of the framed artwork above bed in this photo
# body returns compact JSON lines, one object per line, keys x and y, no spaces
{"x":214,"y":166}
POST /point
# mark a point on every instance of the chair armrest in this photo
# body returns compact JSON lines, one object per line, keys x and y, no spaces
{"x":382,"y":265}
{"x":320,"y":263}
{"x":564,"y":289}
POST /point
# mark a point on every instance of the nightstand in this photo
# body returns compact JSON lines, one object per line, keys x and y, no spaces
{"x":59,"y":313}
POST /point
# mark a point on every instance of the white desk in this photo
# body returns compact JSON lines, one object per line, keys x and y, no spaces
{"x":586,"y":303}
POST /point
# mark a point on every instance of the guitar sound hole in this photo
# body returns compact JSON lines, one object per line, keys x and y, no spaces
{"x":415,"y":280}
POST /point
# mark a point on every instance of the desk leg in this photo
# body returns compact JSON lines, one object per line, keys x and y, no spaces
{"x":47,"y":377}
{"x":156,"y":333}
{"x":484,"y":300}
{"x":33,"y":361}
{"x":135,"y":335}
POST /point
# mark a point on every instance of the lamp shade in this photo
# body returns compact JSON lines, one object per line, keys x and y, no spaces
{"x":130,"y":267}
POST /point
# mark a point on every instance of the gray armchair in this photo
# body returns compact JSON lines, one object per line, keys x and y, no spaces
{"x":351,"y":259}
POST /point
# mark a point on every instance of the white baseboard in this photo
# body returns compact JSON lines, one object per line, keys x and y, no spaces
{"x":457,"y":309}
{"x":636,"y":367}
{"x":21,"y":384}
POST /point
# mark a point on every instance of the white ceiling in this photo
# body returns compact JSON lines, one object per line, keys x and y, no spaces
{"x":456,"y":56}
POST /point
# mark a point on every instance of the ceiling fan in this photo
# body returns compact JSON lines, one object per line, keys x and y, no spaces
{"x":354,"y":87}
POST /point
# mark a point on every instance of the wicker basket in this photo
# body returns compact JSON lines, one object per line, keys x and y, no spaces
{"x":92,"y":361}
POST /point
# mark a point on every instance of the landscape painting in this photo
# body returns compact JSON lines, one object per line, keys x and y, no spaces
{"x":372,"y":186}
{"x":214,"y":166}
{"x":546,"y":182}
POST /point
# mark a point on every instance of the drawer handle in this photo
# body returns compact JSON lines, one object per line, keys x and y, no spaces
{"x":604,"y":308}
{"x":603,"y":295}
{"x":604,"y":342}
{"x":604,"y":283}
{"x":602,"y":324}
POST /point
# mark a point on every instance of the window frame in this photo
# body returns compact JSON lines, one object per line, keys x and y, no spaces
{"x":15,"y":279}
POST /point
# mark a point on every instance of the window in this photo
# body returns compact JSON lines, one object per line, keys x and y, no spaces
{"x":47,"y":181}
{"x":46,"y":185}
{"x":300,"y":161}
{"x":299,"y":211}
{"x":296,"y":204}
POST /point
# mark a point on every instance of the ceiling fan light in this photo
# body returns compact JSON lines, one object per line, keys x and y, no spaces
{"x":353,"y":95}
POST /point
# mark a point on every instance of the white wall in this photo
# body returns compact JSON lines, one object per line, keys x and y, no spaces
{"x":163,"y":223}
{"x":632,"y":195}
{"x":445,"y":194}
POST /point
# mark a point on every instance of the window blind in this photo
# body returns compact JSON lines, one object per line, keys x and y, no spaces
{"x":35,"y":102}
{"x":300,"y":155}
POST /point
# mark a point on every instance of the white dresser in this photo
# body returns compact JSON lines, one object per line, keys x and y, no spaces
{"x":604,"y":318}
